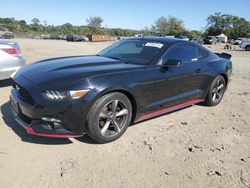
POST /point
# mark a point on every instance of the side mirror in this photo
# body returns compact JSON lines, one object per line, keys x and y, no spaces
{"x":173,"y":63}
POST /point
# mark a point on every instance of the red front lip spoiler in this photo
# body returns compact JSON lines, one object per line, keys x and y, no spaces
{"x":30,"y":131}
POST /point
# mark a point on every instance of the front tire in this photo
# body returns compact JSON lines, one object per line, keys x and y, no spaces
{"x":216,"y":91}
{"x":109,"y":117}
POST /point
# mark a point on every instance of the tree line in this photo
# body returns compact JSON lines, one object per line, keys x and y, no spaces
{"x":36,"y":27}
{"x":230,"y":25}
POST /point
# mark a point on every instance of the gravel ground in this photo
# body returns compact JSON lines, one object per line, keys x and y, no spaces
{"x":195,"y":147}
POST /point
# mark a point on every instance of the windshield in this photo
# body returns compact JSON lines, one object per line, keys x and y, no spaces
{"x":134,"y":51}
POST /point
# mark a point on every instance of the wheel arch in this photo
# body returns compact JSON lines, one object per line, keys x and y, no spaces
{"x":225,"y":77}
{"x":127,"y":93}
{"x":247,"y":46}
{"x":132,"y":100}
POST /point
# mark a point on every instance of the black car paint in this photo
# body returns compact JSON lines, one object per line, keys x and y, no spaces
{"x":149,"y":87}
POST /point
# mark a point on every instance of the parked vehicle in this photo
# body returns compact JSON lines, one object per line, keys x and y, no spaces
{"x":237,"y":41}
{"x":230,"y":41}
{"x":64,"y":37}
{"x":99,"y":38}
{"x":210,"y":40}
{"x":10,"y":59}
{"x":245,"y":45}
{"x":183,"y":37}
{"x":55,"y":37}
{"x":45,"y":36}
{"x":84,"y":38}
{"x":170,"y":36}
{"x":122,"y":38}
{"x":75,"y":38}
{"x":197,"y":40}
{"x":113,"y":38}
{"x":139,"y":35}
{"x":7,"y":35}
{"x":130,"y":81}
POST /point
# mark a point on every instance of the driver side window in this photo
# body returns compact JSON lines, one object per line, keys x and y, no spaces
{"x":183,"y":52}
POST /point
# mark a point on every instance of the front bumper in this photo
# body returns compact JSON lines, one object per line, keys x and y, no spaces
{"x":70,"y":116}
{"x":43,"y":129}
{"x":38,"y":127}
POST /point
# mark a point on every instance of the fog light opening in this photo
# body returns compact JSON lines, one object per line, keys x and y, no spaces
{"x":51,"y":119}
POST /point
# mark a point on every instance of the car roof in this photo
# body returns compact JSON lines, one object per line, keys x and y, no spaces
{"x":169,"y":41}
{"x":7,"y":42}
{"x":162,"y":39}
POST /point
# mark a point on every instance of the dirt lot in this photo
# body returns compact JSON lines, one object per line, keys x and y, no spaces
{"x":195,"y":147}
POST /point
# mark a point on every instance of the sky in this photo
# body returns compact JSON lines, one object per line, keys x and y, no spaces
{"x":131,"y":14}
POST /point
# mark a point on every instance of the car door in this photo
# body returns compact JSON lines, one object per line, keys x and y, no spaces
{"x":176,"y":84}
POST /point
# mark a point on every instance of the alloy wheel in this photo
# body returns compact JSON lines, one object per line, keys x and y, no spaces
{"x":218,"y":90}
{"x":112,"y":118}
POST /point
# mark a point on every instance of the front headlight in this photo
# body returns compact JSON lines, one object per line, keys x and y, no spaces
{"x":60,"y":95}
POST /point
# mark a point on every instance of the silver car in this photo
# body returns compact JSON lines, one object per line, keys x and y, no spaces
{"x":10,"y":59}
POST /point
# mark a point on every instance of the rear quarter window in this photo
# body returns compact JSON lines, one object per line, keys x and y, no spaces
{"x":184,"y":52}
{"x":202,"y":53}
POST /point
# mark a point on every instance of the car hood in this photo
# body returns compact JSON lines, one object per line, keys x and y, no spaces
{"x":64,"y":71}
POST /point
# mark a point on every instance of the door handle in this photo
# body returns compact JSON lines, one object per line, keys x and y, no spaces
{"x":198,"y":70}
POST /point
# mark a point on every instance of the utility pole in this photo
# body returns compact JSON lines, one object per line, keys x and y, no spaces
{"x":45,"y":25}
{"x":106,"y":29}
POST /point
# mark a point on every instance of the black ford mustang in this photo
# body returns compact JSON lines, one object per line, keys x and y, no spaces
{"x":130,"y":81}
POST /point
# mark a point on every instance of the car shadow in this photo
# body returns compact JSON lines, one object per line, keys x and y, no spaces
{"x":11,"y":123}
{"x":5,"y":83}
{"x":86,"y":139}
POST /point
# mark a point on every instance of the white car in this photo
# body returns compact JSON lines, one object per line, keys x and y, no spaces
{"x":10,"y":59}
{"x":238,"y":41}
{"x":245,"y":45}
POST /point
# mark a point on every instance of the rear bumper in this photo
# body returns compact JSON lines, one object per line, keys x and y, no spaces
{"x":10,"y":66}
{"x":6,"y":73}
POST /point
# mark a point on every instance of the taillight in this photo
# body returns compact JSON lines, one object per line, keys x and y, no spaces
{"x":12,"y":51}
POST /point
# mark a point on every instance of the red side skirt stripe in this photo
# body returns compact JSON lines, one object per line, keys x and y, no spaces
{"x":169,"y":109}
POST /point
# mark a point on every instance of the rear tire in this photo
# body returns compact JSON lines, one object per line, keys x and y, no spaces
{"x":216,"y":91}
{"x":109,"y":117}
{"x":247,"y":48}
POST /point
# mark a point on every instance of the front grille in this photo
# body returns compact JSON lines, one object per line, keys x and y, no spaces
{"x":23,"y":94}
